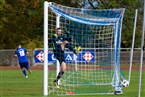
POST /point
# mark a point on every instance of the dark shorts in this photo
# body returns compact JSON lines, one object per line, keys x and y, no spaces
{"x":25,"y":65}
{"x":59,"y":55}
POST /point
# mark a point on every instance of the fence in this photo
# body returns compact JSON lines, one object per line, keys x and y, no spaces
{"x":7,"y":57}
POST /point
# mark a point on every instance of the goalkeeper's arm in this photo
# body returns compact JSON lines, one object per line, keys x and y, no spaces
{"x":67,"y":36}
{"x":50,"y":42}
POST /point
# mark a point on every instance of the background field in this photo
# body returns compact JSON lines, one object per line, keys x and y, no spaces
{"x":14,"y":84}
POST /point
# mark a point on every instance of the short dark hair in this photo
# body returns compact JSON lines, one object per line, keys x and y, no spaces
{"x":59,"y":28}
{"x":18,"y":44}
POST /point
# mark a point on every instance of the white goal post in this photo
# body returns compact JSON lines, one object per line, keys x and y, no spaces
{"x":45,"y":83}
{"x":141,"y":54}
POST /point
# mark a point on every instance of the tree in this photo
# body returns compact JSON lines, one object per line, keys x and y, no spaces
{"x":23,"y":23}
{"x":22,"y":20}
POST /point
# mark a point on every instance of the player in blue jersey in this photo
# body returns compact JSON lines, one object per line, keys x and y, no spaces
{"x":60,"y":42}
{"x":21,"y":53}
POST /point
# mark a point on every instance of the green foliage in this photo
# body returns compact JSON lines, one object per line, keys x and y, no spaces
{"x":22,"y":21}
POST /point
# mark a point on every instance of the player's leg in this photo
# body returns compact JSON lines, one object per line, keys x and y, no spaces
{"x":60,"y":58}
{"x":62,"y":63}
{"x":61,"y":72}
{"x":27,"y":66}
{"x":23,"y":69}
{"x":74,"y":49}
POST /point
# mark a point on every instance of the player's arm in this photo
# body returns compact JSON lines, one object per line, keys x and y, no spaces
{"x":52,"y":41}
{"x":15,"y":54}
{"x":26,"y":51}
{"x":67,"y":36}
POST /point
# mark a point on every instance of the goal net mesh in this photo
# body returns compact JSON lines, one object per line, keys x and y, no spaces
{"x":96,"y":68}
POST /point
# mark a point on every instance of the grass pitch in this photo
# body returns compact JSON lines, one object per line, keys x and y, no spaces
{"x":14,"y":84}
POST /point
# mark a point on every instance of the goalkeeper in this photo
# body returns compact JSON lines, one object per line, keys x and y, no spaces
{"x":59,"y":42}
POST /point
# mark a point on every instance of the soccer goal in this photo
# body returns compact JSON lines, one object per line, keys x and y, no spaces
{"x":96,"y":68}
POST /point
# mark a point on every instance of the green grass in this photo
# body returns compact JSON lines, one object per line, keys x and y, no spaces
{"x":82,"y":82}
{"x":14,"y":84}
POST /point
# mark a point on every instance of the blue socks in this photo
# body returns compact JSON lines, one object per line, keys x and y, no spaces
{"x":24,"y":72}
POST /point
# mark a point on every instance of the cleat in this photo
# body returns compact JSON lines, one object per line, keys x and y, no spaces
{"x":26,"y":77}
{"x":56,"y":83}
{"x":77,"y":49}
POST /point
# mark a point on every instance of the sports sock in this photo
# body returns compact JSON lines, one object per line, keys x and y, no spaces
{"x":24,"y":72}
{"x":59,"y":75}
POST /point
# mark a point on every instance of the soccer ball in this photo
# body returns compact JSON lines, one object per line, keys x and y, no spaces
{"x":125,"y":83}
